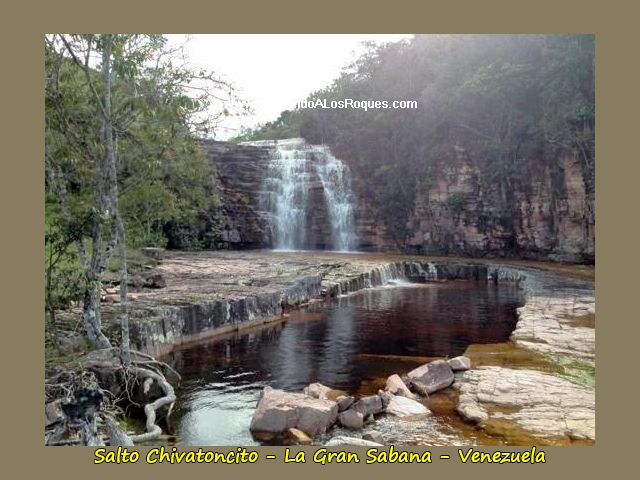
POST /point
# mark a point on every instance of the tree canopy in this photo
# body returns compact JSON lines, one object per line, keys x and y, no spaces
{"x":514,"y":101}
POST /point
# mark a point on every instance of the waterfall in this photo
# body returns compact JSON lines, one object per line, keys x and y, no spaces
{"x":389,"y":274}
{"x":287,"y":186}
{"x":336,"y":183}
{"x":307,"y":194}
{"x":432,"y":272}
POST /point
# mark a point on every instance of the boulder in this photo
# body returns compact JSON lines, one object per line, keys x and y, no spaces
{"x":359,"y":442}
{"x":374,"y":436}
{"x":153,"y":252}
{"x":431,"y":377}
{"x":405,"y":407}
{"x":351,"y":419}
{"x":344,"y":402}
{"x":368,"y":405}
{"x":136,"y":281}
{"x":396,"y":386}
{"x":459,"y":363}
{"x":278,"y":411}
{"x":154,"y":279}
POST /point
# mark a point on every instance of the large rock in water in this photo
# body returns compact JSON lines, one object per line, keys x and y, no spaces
{"x":431,"y":377}
{"x":277,"y":411}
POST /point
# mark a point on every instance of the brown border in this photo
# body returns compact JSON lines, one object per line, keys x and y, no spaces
{"x":23,"y":179}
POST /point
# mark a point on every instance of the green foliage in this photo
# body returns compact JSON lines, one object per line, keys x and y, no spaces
{"x":511,"y":102}
{"x":457,"y":202}
{"x":159,"y":110}
{"x":64,"y":279}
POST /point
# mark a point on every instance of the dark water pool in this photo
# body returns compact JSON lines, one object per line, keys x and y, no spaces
{"x":353,"y":343}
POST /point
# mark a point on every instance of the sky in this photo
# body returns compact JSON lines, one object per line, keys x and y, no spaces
{"x":274,"y":71}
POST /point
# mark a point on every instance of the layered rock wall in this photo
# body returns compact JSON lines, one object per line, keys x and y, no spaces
{"x":549,"y":215}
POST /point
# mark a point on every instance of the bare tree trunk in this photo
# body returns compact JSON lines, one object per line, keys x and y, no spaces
{"x":113,"y":191}
{"x":91,"y":316}
{"x":49,"y":304}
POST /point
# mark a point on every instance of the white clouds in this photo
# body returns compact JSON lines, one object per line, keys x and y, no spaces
{"x":275,"y":71}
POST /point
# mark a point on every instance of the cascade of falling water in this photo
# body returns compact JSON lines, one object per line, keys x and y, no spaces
{"x":336,"y":183}
{"x":294,"y":168}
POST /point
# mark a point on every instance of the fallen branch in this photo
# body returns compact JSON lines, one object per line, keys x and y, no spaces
{"x":153,"y":430}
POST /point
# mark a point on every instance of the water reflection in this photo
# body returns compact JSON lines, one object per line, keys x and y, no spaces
{"x":353,"y":344}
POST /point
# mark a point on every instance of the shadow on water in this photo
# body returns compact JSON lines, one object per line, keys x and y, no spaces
{"x":352,"y":343}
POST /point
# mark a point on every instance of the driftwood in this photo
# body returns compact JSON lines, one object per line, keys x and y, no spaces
{"x":91,"y":393}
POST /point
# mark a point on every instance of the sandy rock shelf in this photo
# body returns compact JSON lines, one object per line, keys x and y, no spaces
{"x":213,"y":293}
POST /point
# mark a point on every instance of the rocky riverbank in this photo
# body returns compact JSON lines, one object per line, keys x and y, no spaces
{"x":541,"y":390}
{"x":210,"y":293}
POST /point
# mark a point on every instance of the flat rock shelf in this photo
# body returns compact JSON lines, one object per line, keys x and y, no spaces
{"x":209,"y":294}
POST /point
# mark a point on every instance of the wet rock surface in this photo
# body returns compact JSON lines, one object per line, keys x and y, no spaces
{"x":405,"y":407}
{"x":539,"y":403}
{"x":278,"y":411}
{"x":431,"y":377}
{"x":546,"y":324}
{"x":213,"y":292}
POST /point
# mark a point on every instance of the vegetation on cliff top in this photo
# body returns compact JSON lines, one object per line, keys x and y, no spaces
{"x":509,"y":104}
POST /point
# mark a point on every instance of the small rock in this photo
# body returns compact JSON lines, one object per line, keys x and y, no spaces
{"x":318,"y":390}
{"x":396,"y":386}
{"x":359,"y":442}
{"x":136,"y":281}
{"x":368,"y":405}
{"x":153,"y":252}
{"x":405,"y":407}
{"x":431,"y":377}
{"x":154,"y":279}
{"x":351,"y":419}
{"x":369,"y":419}
{"x":344,"y":402}
{"x":459,"y":363}
{"x":298,"y":437}
{"x":374,"y":436}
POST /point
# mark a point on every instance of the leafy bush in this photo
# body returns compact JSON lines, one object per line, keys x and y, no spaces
{"x":457,"y":202}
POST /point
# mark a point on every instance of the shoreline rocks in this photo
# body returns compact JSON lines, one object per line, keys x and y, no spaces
{"x":278,"y":411}
{"x":298,"y":416}
{"x":431,"y":377}
{"x":396,"y":386}
{"x":538,"y":403}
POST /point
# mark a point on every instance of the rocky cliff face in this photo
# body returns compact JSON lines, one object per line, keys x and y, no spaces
{"x":551,"y":215}
{"x":240,"y":170}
